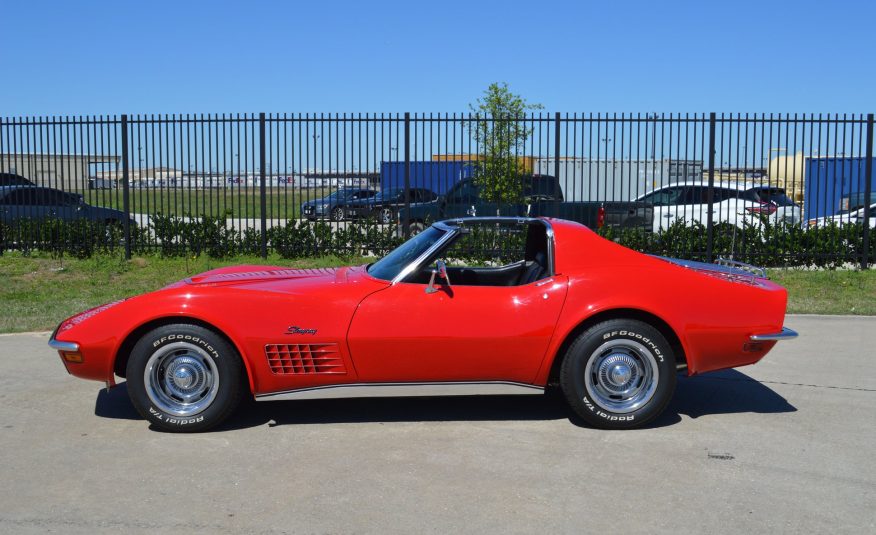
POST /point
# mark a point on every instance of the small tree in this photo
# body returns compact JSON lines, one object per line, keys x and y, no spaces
{"x":501,"y":134}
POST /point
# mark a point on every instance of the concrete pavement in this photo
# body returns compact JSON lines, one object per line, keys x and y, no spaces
{"x":783,"y":446}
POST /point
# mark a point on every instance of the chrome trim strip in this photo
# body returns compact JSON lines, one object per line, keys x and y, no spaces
{"x":378,"y":390}
{"x":550,"y":246}
{"x":63,"y":346}
{"x":759,"y":272}
{"x":413,"y":266}
{"x":786,"y":334}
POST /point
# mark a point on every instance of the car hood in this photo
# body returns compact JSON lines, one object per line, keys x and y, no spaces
{"x":250,"y":275}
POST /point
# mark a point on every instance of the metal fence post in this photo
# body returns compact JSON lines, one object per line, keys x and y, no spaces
{"x":557,"y":151}
{"x":126,"y":193}
{"x":407,"y":221}
{"x":868,"y":190}
{"x":710,"y":239}
{"x":263,"y":193}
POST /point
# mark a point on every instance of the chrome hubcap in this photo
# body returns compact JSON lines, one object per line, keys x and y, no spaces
{"x":621,"y":376}
{"x":181,"y":379}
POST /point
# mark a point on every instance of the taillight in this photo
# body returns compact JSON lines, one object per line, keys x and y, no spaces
{"x":765,"y":208}
{"x":600,"y":217}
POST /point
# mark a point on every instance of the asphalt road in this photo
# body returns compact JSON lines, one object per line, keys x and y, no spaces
{"x":783,"y":446}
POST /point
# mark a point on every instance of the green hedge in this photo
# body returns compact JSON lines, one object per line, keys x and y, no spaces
{"x":761,"y":244}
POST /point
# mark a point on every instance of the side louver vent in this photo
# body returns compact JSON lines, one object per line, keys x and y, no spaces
{"x":304,"y":359}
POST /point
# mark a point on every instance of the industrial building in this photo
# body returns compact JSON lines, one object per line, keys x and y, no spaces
{"x":584,"y":179}
{"x":833,"y":184}
{"x":64,"y":171}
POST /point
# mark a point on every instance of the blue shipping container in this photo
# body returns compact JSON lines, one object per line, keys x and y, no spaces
{"x":829,"y":180}
{"x":435,"y":176}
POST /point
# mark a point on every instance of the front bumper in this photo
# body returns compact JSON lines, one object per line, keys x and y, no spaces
{"x":60,"y":345}
{"x":786,"y":334}
{"x":95,"y":366}
{"x":313,"y":211}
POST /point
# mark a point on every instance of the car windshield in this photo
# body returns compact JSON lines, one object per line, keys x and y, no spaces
{"x":340,"y":194}
{"x":388,"y":267}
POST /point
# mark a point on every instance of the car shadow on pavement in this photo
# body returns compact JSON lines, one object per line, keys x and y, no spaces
{"x":724,"y":392}
{"x":721,"y":392}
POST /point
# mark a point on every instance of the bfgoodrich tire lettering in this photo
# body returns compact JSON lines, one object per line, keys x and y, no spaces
{"x":184,"y":378}
{"x":619,"y":374}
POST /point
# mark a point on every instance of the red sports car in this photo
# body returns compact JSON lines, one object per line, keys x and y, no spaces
{"x":468,"y":306}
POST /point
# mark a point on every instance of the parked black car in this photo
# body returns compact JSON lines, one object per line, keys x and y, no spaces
{"x":33,"y":202}
{"x":11,"y":179}
{"x":385,"y":205}
{"x":334,"y":206}
{"x":543,"y":196}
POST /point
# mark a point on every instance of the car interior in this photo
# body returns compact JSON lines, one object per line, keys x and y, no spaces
{"x":533,"y":265}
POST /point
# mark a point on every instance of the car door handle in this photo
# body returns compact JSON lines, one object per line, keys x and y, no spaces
{"x":542,"y":283}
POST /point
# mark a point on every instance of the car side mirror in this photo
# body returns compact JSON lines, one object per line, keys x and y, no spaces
{"x":440,"y":271}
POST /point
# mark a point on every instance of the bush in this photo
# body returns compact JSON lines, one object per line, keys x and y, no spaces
{"x":761,"y":243}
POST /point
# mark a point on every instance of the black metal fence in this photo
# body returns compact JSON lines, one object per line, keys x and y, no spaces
{"x":770,"y":188}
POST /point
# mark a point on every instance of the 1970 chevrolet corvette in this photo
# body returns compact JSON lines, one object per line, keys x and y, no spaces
{"x":555,"y":305}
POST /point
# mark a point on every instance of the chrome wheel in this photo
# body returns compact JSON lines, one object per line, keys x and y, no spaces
{"x":621,"y":376}
{"x":181,"y":379}
{"x":386,"y":216}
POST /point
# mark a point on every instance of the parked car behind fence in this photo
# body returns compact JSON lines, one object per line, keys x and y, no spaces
{"x":732,"y":202}
{"x":334,"y":206}
{"x":22,"y":203}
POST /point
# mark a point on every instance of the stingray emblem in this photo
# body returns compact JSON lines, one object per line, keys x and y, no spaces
{"x":294,"y":329}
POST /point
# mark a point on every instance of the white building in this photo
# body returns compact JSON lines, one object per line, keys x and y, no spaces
{"x":584,"y":179}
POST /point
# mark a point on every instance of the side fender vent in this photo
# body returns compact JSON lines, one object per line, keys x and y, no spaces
{"x":304,"y":359}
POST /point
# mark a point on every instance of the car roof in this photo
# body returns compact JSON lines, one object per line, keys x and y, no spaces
{"x":26,"y":186}
{"x":738,"y":186}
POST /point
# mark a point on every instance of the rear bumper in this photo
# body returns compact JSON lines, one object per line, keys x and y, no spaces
{"x":786,"y":334}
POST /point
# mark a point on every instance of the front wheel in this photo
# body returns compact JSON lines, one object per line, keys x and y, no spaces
{"x":386,"y":216}
{"x":619,"y":374}
{"x":337,"y":214}
{"x":184,"y":378}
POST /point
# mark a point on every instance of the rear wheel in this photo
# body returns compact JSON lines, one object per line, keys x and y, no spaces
{"x":184,"y":378}
{"x":416,"y":227}
{"x":619,"y":374}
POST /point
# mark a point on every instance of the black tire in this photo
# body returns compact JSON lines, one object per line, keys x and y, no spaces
{"x":619,"y":374}
{"x":337,"y":214}
{"x":205,"y":387}
{"x":386,"y":216}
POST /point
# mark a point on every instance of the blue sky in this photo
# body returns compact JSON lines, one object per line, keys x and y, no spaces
{"x":96,"y":57}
